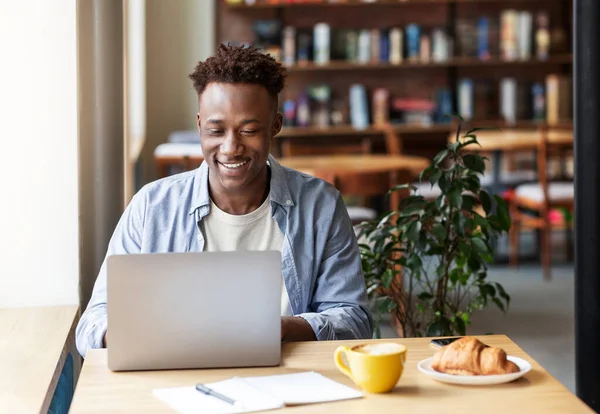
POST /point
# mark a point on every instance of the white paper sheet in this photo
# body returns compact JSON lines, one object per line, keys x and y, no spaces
{"x":257,"y":393}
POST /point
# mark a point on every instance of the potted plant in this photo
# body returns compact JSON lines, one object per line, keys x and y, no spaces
{"x":426,"y":262}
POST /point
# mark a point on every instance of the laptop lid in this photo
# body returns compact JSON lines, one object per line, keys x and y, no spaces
{"x":194,"y":310}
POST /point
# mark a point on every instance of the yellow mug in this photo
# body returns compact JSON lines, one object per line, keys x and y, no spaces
{"x":376,"y":368}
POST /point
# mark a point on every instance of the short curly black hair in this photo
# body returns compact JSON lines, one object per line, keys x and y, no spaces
{"x":240,"y":64}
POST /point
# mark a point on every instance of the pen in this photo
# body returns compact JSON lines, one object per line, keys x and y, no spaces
{"x":205,"y":390}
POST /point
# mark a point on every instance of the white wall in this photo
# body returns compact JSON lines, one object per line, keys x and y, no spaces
{"x":178,"y":35}
{"x":38,"y":143}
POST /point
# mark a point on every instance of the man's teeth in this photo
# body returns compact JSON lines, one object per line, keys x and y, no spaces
{"x":233,"y":166}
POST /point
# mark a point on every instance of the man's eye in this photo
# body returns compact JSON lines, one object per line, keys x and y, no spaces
{"x":248,"y":132}
{"x":215,"y":131}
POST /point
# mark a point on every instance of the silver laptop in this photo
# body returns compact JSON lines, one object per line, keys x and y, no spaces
{"x":194,"y":310}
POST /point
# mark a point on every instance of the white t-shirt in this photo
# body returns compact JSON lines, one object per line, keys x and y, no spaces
{"x":257,"y":230}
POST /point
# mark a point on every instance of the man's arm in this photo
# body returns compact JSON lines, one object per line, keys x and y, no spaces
{"x":339,"y":302}
{"x":127,"y":238}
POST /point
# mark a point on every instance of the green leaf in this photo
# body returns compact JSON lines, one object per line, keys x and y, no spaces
{"x":474,"y":162}
{"x":424,"y":296}
{"x":460,"y":222}
{"x":499,"y":303}
{"x":435,"y":329}
{"x":444,"y":183}
{"x":455,"y":198}
{"x":426,"y":172}
{"x":435,"y":176}
{"x":387,"y":277}
{"x":439,"y":232}
{"x":412,"y":208}
{"x":468,"y":202}
{"x":486,"y":201}
{"x":460,"y":326}
{"x":440,"y":156}
{"x":502,"y":293}
{"x":473,"y":130}
{"x":420,"y":307}
{"x":502,"y":213}
{"x":479,"y":245}
{"x":488,"y":290}
{"x":474,"y":263}
{"x":413,"y":231}
{"x":472,"y":183}
{"x":414,"y":262}
{"x":494,"y":221}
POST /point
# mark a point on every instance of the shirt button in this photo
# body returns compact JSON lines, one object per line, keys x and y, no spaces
{"x":288,"y":202}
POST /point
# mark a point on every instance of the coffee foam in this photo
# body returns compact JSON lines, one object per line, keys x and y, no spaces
{"x":380,"y":349}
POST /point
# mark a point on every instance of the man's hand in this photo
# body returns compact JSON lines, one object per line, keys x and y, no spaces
{"x":294,"y":328}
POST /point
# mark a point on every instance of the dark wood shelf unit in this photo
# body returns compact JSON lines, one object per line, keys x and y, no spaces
{"x":378,"y":3}
{"x":559,"y":59}
{"x":234,"y":23}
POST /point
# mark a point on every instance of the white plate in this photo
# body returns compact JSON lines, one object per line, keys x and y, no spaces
{"x":524,"y":366}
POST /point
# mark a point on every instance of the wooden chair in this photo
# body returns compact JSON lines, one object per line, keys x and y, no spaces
{"x":540,"y":198}
{"x":393,"y":145}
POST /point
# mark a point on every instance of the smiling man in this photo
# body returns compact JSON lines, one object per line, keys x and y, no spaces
{"x":240,"y":198}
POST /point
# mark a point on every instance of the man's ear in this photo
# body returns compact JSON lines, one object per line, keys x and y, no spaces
{"x":277,"y":124}
{"x":198,"y":121}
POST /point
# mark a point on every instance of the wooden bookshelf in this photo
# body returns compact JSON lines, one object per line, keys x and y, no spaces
{"x":560,"y":59}
{"x":355,"y":3}
{"x":347,"y":130}
{"x":409,"y":80}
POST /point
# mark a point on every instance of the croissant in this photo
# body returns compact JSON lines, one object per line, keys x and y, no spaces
{"x":468,"y":356}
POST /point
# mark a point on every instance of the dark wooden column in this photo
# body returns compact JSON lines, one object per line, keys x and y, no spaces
{"x":587,"y":196}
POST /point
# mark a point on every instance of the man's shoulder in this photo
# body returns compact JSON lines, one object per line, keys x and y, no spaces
{"x":308,"y":185}
{"x":173,"y":186}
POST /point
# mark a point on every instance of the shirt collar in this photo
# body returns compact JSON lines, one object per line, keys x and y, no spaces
{"x":279,"y":189}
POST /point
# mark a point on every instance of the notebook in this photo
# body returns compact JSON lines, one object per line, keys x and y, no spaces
{"x":258,"y":393}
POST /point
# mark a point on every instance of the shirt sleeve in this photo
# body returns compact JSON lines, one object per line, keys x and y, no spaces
{"x":339,"y":302}
{"x":127,"y":238}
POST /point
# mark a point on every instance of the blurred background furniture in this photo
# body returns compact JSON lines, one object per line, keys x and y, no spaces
{"x":532,"y":203}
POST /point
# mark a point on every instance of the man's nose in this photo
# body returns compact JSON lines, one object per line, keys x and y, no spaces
{"x":231,"y":144}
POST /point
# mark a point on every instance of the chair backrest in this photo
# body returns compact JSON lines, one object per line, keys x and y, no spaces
{"x":393,"y":143}
{"x":552,"y":142}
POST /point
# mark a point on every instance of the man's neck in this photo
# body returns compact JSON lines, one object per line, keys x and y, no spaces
{"x":245,"y":201}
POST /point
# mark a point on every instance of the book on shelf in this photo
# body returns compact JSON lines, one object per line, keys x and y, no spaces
{"x":467,"y":40}
{"x":483,"y":38}
{"x":508,"y":35}
{"x":440,"y":46}
{"x":413,"y":36}
{"x":508,"y":100}
{"x":359,"y":107}
{"x":524,"y":34}
{"x":542,"y":35}
{"x":289,"y":45}
{"x":396,"y":43}
{"x":375,"y":38}
{"x":465,"y":99}
{"x":538,"y":96}
{"x":558,"y":99}
{"x":425,"y":49}
{"x":364,"y":46}
{"x":321,"y":39}
{"x":384,"y":46}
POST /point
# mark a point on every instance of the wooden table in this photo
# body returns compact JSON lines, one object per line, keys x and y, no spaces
{"x":357,"y":164}
{"x":100,"y":390}
{"x":34,"y":344}
{"x":515,"y":140}
{"x":361,"y":175}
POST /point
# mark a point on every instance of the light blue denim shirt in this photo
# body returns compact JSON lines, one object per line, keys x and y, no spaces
{"x":320,"y":260}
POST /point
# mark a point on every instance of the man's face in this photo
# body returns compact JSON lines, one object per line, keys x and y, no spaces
{"x":236,"y":124}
